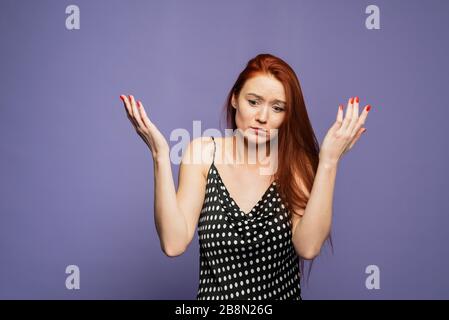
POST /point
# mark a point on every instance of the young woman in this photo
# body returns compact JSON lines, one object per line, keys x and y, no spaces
{"x":253,"y":228}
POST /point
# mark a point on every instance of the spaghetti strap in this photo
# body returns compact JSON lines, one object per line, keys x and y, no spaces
{"x":215,"y":147}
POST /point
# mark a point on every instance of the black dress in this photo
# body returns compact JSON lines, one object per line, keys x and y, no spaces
{"x":245,"y":256}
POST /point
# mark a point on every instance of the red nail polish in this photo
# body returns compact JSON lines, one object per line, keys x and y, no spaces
{"x":122,"y":98}
{"x":351,"y":101}
{"x":130,"y":97}
{"x":357,"y":99}
{"x":364,"y":130}
{"x":138,"y":104}
{"x":340,"y":107}
{"x":368,"y":108}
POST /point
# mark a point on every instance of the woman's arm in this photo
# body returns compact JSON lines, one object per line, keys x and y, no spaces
{"x":171,"y":224}
{"x":311,"y":230}
{"x":176,"y":214}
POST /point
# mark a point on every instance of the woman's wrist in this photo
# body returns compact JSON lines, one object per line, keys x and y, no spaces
{"x":161,"y":156}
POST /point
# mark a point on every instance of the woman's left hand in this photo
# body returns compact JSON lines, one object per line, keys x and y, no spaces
{"x":342,"y":136}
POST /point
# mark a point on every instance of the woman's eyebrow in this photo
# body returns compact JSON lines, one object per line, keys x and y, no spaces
{"x":275,"y":100}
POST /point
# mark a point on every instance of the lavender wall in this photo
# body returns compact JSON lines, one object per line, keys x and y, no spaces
{"x":77,"y":182}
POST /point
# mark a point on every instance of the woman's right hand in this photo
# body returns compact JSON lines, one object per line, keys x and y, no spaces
{"x":144,"y":127}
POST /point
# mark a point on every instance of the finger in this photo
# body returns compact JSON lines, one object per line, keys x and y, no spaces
{"x":339,"y":120}
{"x":127,"y":104}
{"x":340,"y":114}
{"x":357,"y":137}
{"x":355,"y":116}
{"x":136,"y":114}
{"x":143,"y":115}
{"x":362,"y":119}
{"x":347,"y":118}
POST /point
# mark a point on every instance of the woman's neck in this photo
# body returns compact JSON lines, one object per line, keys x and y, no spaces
{"x":249,"y":154}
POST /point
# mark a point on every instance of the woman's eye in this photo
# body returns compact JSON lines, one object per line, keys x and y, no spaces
{"x":278,"y":109}
{"x":252,"y":102}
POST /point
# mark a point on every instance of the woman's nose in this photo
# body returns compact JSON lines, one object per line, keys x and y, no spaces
{"x":262,"y":115}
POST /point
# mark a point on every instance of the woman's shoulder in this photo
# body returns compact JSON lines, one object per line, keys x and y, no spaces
{"x":203,"y":149}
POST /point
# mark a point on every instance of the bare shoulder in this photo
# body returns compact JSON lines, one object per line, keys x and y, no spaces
{"x":200,"y":151}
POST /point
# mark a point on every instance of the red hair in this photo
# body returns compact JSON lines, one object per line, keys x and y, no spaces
{"x":296,"y":137}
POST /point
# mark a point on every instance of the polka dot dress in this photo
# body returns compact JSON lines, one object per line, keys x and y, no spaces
{"x":245,"y":256}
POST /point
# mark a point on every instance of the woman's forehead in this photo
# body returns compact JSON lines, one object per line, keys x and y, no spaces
{"x":265,"y":87}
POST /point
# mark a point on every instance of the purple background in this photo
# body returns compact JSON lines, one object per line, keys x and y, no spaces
{"x":77,"y":181}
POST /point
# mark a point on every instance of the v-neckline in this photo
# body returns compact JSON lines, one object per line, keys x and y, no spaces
{"x":232,"y":200}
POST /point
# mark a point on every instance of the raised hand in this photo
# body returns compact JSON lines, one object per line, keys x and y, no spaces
{"x":342,"y":136}
{"x":144,"y":127}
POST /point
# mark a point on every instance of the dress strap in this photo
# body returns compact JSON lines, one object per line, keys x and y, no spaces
{"x":215,"y":147}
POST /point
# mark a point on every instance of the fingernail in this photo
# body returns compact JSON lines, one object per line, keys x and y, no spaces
{"x":351,"y":101}
{"x":138,"y":104}
{"x":122,"y":98}
{"x":340,"y":107}
{"x":368,"y":108}
{"x":130,"y":96}
{"x":357,"y":99}
{"x":364,"y":130}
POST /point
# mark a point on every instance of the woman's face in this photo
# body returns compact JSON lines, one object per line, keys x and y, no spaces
{"x":260,"y":104}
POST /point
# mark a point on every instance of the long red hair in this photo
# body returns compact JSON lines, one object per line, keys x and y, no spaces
{"x":296,"y":137}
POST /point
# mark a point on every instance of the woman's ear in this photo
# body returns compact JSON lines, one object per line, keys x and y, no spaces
{"x":234,"y":102}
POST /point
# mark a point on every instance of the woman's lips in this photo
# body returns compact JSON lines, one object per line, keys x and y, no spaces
{"x":259,"y":131}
